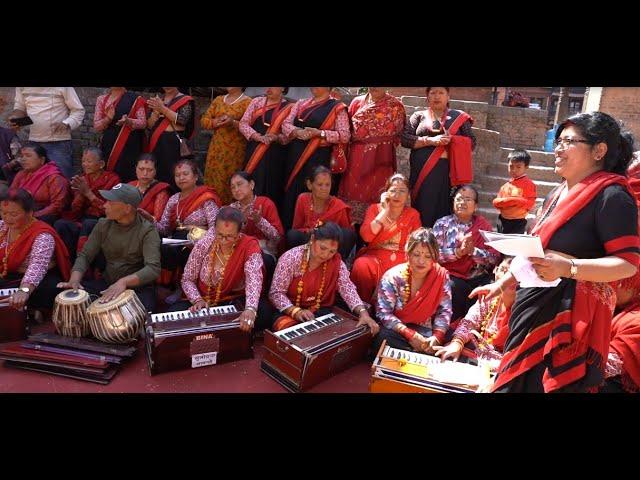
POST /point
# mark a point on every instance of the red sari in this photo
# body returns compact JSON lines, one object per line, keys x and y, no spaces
{"x":305,"y":218}
{"x":372,"y":151}
{"x":190,"y":204}
{"x":233,"y":284}
{"x":19,"y":251}
{"x":80,"y":205}
{"x":427,"y":300}
{"x":48,"y":187}
{"x":384,"y":250}
{"x":625,"y":341}
{"x":154,"y":199}
{"x":269,"y":212}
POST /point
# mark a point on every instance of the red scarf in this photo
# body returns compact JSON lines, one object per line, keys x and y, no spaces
{"x":20,"y":252}
{"x":311,"y":284}
{"x":306,"y":219}
{"x":189,"y":205}
{"x":462,"y":267}
{"x":233,"y":284}
{"x":462,"y":155}
{"x":149,"y":198}
{"x":164,"y":124}
{"x":625,"y":341}
{"x":424,"y":305}
{"x":32,"y":182}
{"x":269,"y":212}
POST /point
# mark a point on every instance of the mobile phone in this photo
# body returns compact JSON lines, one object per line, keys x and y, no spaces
{"x":21,"y":121}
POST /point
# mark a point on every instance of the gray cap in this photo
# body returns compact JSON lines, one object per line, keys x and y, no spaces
{"x":123,"y":192}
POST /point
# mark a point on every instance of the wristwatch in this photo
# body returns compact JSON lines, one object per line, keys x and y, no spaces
{"x":573,"y":271}
{"x":323,"y":134}
{"x":24,"y":289}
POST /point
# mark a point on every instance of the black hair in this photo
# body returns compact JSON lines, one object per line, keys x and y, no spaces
{"x":319,"y":170}
{"x":231,"y":214}
{"x":423,"y":236}
{"x":599,"y":127}
{"x":448,"y":89}
{"x":147,"y":157}
{"x":467,"y":186}
{"x":241,"y":173}
{"x":327,"y":231}
{"x":520,"y":155}
{"x":39,"y":149}
{"x":242,"y":89}
{"x":285,"y":90}
{"x":194,"y":168}
{"x":19,"y":196}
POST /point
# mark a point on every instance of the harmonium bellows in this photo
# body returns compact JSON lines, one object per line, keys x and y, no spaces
{"x":401,"y":371}
{"x":302,"y":356}
{"x":13,"y":323}
{"x":185,"y":339}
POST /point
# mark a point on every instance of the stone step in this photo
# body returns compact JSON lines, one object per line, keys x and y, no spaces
{"x":491,"y":214}
{"x":535,"y":172}
{"x":485,"y":198}
{"x":538,"y":157}
{"x":492,"y":183}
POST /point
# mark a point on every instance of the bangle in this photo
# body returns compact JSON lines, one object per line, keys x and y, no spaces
{"x":294,"y":311}
{"x":573,"y":271}
{"x":361,"y":309}
{"x":251,"y":309}
{"x":457,"y":340}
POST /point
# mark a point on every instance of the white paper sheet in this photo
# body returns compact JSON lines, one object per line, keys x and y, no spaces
{"x":527,"y":277}
{"x":514,"y":244}
{"x":176,"y":241}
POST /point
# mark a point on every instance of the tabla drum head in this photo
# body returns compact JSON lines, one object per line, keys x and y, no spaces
{"x":121,"y":299}
{"x":72,"y":297}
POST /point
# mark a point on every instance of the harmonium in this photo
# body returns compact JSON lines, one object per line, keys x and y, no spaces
{"x":13,"y":323}
{"x":185,"y":339}
{"x":402,"y":371}
{"x":302,"y":356}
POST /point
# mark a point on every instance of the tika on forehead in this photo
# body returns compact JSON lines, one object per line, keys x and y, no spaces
{"x":226,"y":223}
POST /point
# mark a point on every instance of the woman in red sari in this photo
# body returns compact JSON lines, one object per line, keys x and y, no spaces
{"x":262,"y":219}
{"x":559,"y":335}
{"x":318,"y":128}
{"x":121,"y":117}
{"x":33,"y":257}
{"x":191,"y":211}
{"x":155,"y":194}
{"x":320,"y":206}
{"x":622,"y":372}
{"x":172,"y":121}
{"x":377,"y":119}
{"x":225,"y":268}
{"x":44,"y":181}
{"x":266,"y":151}
{"x":385,"y":228}
{"x":307,"y":279}
{"x":414,"y":298}
{"x":441,"y":141}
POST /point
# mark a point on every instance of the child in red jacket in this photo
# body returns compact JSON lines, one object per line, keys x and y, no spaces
{"x":517,"y":196}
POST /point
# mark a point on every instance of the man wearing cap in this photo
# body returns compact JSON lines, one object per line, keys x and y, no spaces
{"x":131,"y":248}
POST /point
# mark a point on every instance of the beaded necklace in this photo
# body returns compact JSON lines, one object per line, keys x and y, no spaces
{"x":8,"y":250}
{"x":486,"y":318}
{"x":213,"y":254}
{"x":406,"y":291}
{"x":305,"y":264}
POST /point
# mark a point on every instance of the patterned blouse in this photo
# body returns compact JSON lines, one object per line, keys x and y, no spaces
{"x":245,"y":124}
{"x":390,"y":299}
{"x":419,"y":125}
{"x":449,"y":231}
{"x":101,"y":121}
{"x":289,"y":267}
{"x":341,"y":132}
{"x":37,"y":263}
{"x":205,"y":216}
{"x":613,"y":368}
{"x":198,"y":266}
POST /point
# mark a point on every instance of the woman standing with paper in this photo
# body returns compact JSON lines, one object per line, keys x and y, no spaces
{"x":559,"y":336}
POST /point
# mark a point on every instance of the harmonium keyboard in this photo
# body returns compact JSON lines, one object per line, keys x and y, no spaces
{"x":302,"y":356}
{"x":13,"y":323}
{"x":185,"y":339}
{"x":402,"y":371}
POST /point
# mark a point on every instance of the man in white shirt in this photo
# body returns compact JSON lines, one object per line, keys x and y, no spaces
{"x":55,"y":111}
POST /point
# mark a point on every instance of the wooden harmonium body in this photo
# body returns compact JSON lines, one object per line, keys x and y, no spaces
{"x":402,"y":371}
{"x":302,"y":356}
{"x":185,"y":339}
{"x":13,"y":323}
{"x":79,"y":358}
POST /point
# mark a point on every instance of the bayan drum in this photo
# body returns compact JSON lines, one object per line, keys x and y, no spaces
{"x":70,"y":313}
{"x":117,"y":321}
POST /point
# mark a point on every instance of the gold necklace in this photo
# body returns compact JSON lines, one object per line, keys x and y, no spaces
{"x":8,"y":250}
{"x":487,"y":318}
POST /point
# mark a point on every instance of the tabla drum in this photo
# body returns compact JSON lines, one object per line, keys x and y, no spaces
{"x":117,"y":321}
{"x":70,"y":313}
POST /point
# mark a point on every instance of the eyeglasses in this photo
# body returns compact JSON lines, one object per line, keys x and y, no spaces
{"x":400,"y":191}
{"x":565,"y":142}
{"x":464,"y":199}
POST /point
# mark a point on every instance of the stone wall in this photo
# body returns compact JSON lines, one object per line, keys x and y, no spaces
{"x":474,"y":94}
{"x":623,"y":103}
